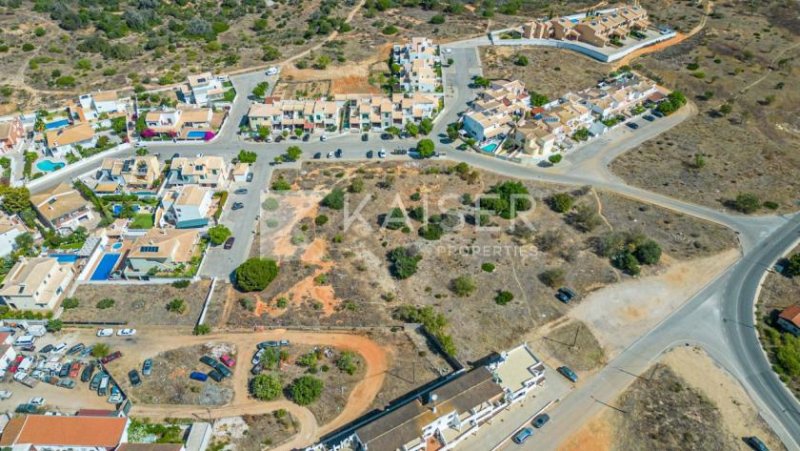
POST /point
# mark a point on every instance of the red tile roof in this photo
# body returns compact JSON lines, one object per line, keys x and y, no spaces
{"x":791,"y":314}
{"x":42,"y":430}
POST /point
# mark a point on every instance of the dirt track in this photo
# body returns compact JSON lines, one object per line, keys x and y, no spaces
{"x":151,"y":341}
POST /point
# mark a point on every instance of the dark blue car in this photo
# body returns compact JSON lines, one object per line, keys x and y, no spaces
{"x":568,"y":373}
{"x":198,"y":376}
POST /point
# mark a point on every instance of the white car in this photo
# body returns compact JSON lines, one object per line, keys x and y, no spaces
{"x":382,"y":153}
{"x":61,"y":347}
{"x":272,"y":70}
{"x":448,"y":50}
{"x":5,"y":394}
{"x":105,"y":332}
{"x":330,"y":154}
{"x":323,"y":137}
{"x":37,"y":401}
{"x":126,"y":332}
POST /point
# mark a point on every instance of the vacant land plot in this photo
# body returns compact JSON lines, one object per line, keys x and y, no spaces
{"x":740,"y":71}
{"x":303,"y":90}
{"x":255,"y":431}
{"x":170,"y":383}
{"x":325,"y":364}
{"x":552,"y":72}
{"x":777,"y":293}
{"x":138,"y":304}
{"x":687,"y":401}
{"x":337,"y":272}
{"x":573,"y":344}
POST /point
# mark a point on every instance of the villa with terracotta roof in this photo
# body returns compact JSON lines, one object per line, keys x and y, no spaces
{"x":61,"y":433}
{"x":789,"y":319}
{"x":180,"y":122}
{"x":187,"y":206}
{"x":418,"y":61}
{"x":62,"y":208}
{"x":11,"y":134}
{"x":64,"y":140}
{"x":496,"y":111}
{"x":291,"y":115}
{"x":161,"y":250}
{"x":597,"y":29}
{"x":134,"y":173}
{"x":209,"y":171}
{"x":36,"y":284}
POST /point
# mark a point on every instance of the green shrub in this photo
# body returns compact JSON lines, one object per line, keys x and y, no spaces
{"x":105,"y":303}
{"x":561,"y":202}
{"x":553,"y":277}
{"x":306,"y":389}
{"x":463,"y":286}
{"x":202,"y":329}
{"x":321,"y":220}
{"x":334,"y":200}
{"x":746,"y":203}
{"x":266,"y":387}
{"x":404,"y":262}
{"x":183,"y":283}
{"x":255,"y":274}
{"x":488,"y":267}
{"x":503,"y":297}
{"x":177,"y":306}
{"x":70,"y":303}
{"x":218,"y":234}
{"x":347,"y":362}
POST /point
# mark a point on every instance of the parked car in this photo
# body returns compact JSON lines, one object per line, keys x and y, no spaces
{"x":268,"y":344}
{"x":228,"y":360}
{"x":284,"y":343}
{"x":5,"y":394}
{"x":102,"y":390}
{"x":26,"y":408}
{"x":95,"y":383}
{"x":214,"y":374}
{"x":399,"y":151}
{"x":540,"y":420}
{"x":240,"y":191}
{"x":382,"y":153}
{"x":272,"y":70}
{"x":249,"y":177}
{"x":29,"y":348}
{"x":256,"y":370}
{"x":46,"y":349}
{"x":237,"y":206}
{"x":76,"y":349}
{"x":105,"y":332}
{"x":330,"y":154}
{"x":61,"y":347}
{"x":565,"y":295}
{"x":524,"y":434}
{"x":257,"y":356}
{"x":86,"y":374}
{"x":198,"y":376}
{"x":147,"y":367}
{"x":37,"y":401}
{"x":208,"y":361}
{"x":318,"y":155}
{"x":323,"y":138}
{"x":74,"y":369}
{"x":87,"y":351}
{"x":648,"y":118}
{"x":64,"y":370}
{"x":365,"y":137}
{"x":338,"y":153}
{"x":306,"y":137}
{"x":568,"y":373}
{"x":229,"y":243}
{"x":111,"y":357}
{"x":223,"y":370}
{"x":632,"y":125}
{"x":369,"y":154}
{"x":116,"y":395}
{"x":657,"y":113}
{"x":133,"y":376}
{"x":126,"y":332}
{"x":756,"y":443}
{"x":66,"y":383}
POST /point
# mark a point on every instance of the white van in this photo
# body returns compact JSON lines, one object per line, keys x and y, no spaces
{"x":25,"y":340}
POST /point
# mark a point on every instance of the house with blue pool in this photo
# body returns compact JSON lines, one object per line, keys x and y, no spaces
{"x":161,"y":250}
{"x":187,"y":207}
{"x":493,"y":115}
{"x":64,"y":140}
{"x":63,"y":209}
{"x":132,"y":174}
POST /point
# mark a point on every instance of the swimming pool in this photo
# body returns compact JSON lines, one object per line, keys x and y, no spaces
{"x":49,"y":166}
{"x":56,"y":124}
{"x":105,"y":267}
{"x":196,"y":134}
{"x":116,"y":246}
{"x":116,"y":209}
{"x":65,"y":258}
{"x":489,"y":147}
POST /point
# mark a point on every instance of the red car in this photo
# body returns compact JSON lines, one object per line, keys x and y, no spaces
{"x":228,"y":360}
{"x":111,"y":357}
{"x":74,"y":369}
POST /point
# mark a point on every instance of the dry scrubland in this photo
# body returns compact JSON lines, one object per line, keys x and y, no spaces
{"x":741,"y":72}
{"x":334,"y":277}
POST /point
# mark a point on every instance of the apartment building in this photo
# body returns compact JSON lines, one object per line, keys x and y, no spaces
{"x":597,"y":29}
{"x":36,"y":284}
{"x":62,"y":208}
{"x":496,"y":111}
{"x":160,"y":250}
{"x":134,"y":173}
{"x":187,"y":207}
{"x":418,"y":61}
{"x":201,"y":89}
{"x":208,"y":171}
{"x":290,"y":115}
{"x":616,"y":96}
{"x":364,"y":112}
{"x":12,"y":133}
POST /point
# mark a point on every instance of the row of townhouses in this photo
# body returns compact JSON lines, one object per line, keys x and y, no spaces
{"x":496,"y":110}
{"x":597,"y":29}
{"x":420,"y":65}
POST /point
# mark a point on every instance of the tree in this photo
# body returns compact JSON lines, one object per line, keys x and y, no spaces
{"x":202,"y":329}
{"x":263,"y":132}
{"x":437,"y":19}
{"x":481,"y":82}
{"x":426,"y":148}
{"x":404,"y":262}
{"x":538,"y":99}
{"x":356,"y":185}
{"x":54,"y":325}
{"x":177,"y":306}
{"x":426,"y":126}
{"x":347,"y":362}
{"x":746,"y":203}
{"x":266,"y":387}
{"x":256,"y":274}
{"x":106,"y":303}
{"x":521,"y":60}
{"x":270,"y":53}
{"x":394,"y":131}
{"x":261,"y":89}
{"x":463,"y":286}
{"x":70,"y":303}
{"x":322,"y":62}
{"x":100,"y":350}
{"x":553,"y":277}
{"x":581,"y":134}
{"x":218,"y":234}
{"x":725,"y":109}
{"x":503,"y":297}
{"x":246,"y":156}
{"x":334,"y":200}
{"x":584,"y":218}
{"x":561,"y":202}
{"x":24,"y":241}
{"x":627,"y":262}
{"x":412,"y":129}
{"x":15,"y":199}
{"x":142,"y":151}
{"x":792,"y":266}
{"x":452,"y":132}
{"x":306,"y":390}
{"x":395,"y":220}
{"x":293,"y":153}
{"x":506,"y":199}
{"x":648,"y":253}
{"x":555,"y":158}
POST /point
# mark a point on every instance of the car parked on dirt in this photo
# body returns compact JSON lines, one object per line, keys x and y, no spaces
{"x":256,"y":370}
{"x":228,"y":360}
{"x":76,"y":349}
{"x":268,"y":344}
{"x":86,"y":374}
{"x":46,"y":349}
{"x":198,"y":376}
{"x":105,"y":332}
{"x":214,"y":374}
{"x":223,"y":370}
{"x":95,"y":383}
{"x":5,"y":394}
{"x":64,"y":370}
{"x":257,"y":356}
{"x":208,"y":360}
{"x":111,"y":357}
{"x":565,"y":295}
{"x":756,"y":443}
{"x":66,"y":383}
{"x":61,"y":347}
{"x":38,"y":401}
{"x":133,"y":376}
{"x":147,"y":367}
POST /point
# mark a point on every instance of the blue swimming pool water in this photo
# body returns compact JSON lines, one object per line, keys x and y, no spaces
{"x":49,"y":166}
{"x":196,"y":134}
{"x":116,"y":209}
{"x":65,"y":258}
{"x":489,"y":147}
{"x":105,"y":267}
{"x":56,"y":124}
{"x":116,"y":246}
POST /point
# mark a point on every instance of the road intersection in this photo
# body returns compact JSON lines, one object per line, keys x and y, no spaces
{"x":719,"y":318}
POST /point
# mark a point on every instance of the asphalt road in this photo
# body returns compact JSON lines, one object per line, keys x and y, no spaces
{"x":719,"y":318}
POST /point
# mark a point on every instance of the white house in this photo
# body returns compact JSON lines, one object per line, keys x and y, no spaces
{"x":104,"y":102}
{"x":240,"y":172}
{"x":187,"y":207}
{"x":10,"y":229}
{"x":204,"y":88}
{"x":36,"y":284}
